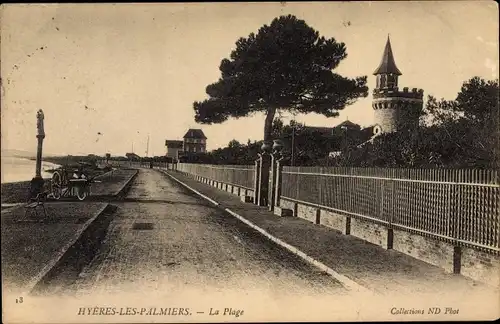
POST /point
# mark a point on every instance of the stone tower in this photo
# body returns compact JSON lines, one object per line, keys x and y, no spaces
{"x":394,"y":109}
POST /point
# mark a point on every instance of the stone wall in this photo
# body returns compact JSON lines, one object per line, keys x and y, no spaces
{"x":427,"y":249}
{"x":371,"y":232}
{"x":233,"y":189}
{"x":287,"y":204}
{"x":480,"y":266}
{"x":396,"y":113}
{"x":387,"y":119}
{"x":308,"y":213}
{"x":335,"y":221}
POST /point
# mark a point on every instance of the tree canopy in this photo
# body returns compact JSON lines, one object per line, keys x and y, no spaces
{"x":459,"y":133}
{"x":285,"y":66}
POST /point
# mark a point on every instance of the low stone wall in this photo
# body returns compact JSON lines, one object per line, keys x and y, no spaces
{"x":230,"y":188}
{"x":369,"y":231}
{"x":479,"y":265}
{"x":336,"y":221}
{"x":308,"y":213}
{"x":288,"y":205}
{"x":430,"y":250}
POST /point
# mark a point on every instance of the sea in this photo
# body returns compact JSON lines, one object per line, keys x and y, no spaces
{"x":15,"y":169}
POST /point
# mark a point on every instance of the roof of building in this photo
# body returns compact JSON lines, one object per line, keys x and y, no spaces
{"x":348,"y":123}
{"x":387,"y":66}
{"x":173,"y":143}
{"x":195,"y":133}
{"x":132,"y":155}
{"x":330,"y":131}
{"x":368,"y":129}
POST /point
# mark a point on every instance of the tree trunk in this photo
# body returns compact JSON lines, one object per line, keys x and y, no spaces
{"x":268,"y":124}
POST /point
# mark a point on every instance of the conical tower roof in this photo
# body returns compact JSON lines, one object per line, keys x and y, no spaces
{"x":387,"y":65}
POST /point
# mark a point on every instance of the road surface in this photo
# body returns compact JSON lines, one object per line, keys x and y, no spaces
{"x":183,"y":243}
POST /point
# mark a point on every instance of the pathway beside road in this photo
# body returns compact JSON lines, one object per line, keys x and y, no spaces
{"x":111,"y":183}
{"x":32,"y":244}
{"x":28,"y":246}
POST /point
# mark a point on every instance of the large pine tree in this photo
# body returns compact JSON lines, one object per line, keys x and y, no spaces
{"x":285,"y":66}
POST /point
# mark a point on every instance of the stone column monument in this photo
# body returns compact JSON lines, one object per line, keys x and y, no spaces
{"x":37,"y":182}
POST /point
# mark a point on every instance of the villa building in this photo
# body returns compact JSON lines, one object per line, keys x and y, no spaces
{"x":195,"y":141}
{"x":173,"y":149}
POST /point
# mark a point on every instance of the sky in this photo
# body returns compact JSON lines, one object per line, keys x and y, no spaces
{"x":130,"y":71}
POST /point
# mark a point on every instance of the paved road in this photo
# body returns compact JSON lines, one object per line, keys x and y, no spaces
{"x":191,"y":246}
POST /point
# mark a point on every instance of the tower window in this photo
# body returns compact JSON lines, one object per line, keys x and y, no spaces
{"x":391,"y":81}
{"x":381,"y":81}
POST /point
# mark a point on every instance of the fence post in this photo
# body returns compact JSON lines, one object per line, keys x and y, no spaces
{"x":278,"y":184}
{"x":272,"y":182}
{"x":257,"y":181}
{"x":265,"y":165}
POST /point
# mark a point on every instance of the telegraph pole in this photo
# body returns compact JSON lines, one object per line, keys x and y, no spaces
{"x":292,"y":162}
{"x":292,"y":159}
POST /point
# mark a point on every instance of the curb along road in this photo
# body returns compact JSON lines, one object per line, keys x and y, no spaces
{"x":126,"y":186}
{"x":348,"y":284}
{"x":9,"y":207}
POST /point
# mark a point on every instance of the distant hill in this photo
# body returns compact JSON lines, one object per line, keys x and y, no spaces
{"x":18,"y":153}
{"x":27,"y":154}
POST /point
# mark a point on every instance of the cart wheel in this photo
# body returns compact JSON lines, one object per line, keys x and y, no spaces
{"x":81,"y":193}
{"x":55,"y":185}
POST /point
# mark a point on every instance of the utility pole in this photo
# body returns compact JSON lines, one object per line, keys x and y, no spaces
{"x":293,"y":146}
{"x":292,"y":162}
{"x":147,"y":147}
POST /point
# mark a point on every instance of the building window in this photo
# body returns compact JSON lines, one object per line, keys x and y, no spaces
{"x":382,"y":81}
{"x":391,"y":81}
{"x":194,"y":149}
